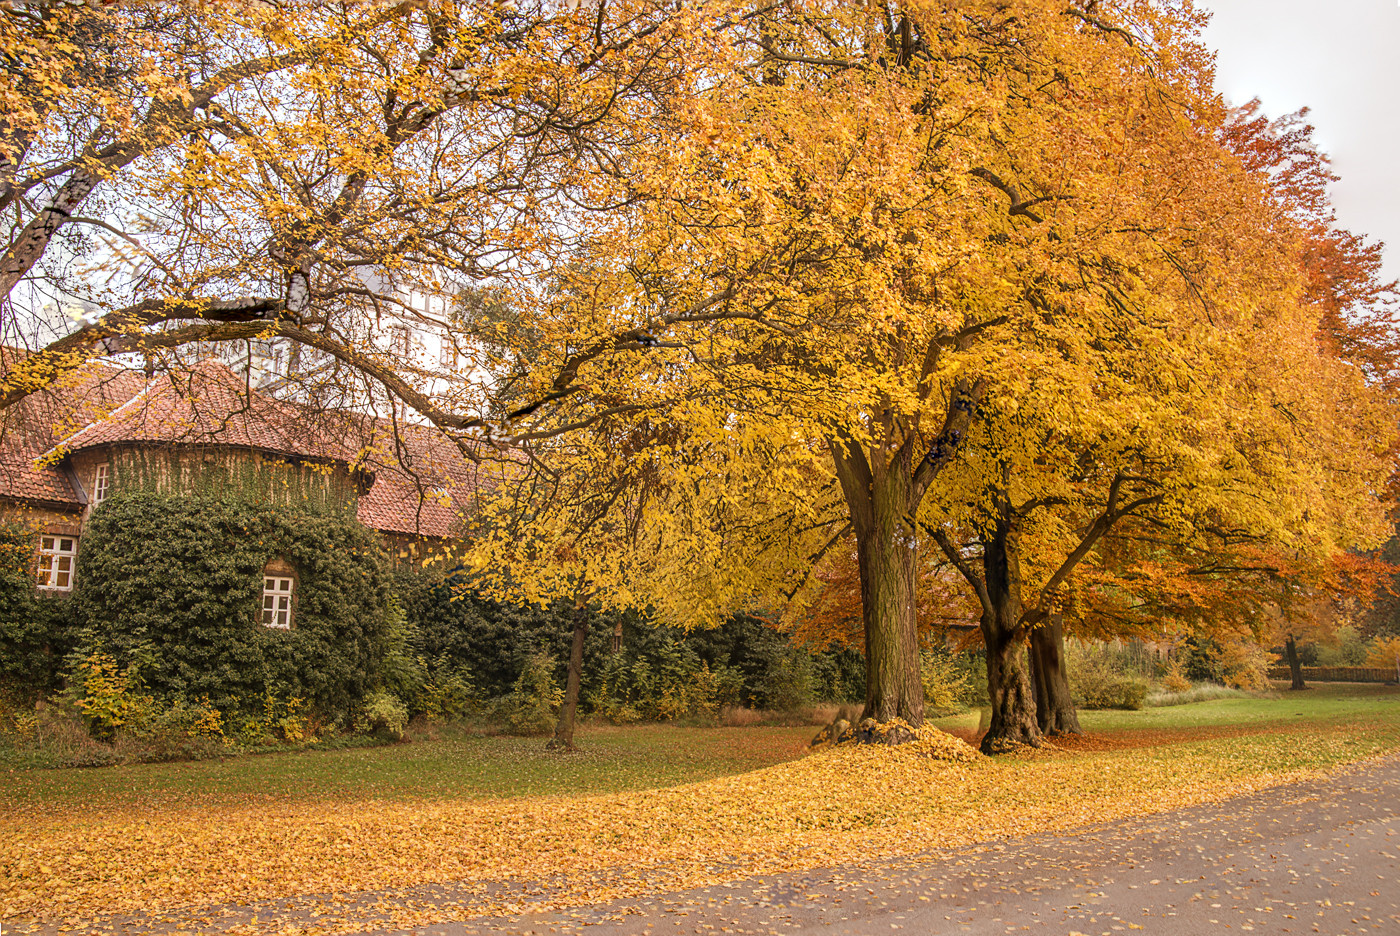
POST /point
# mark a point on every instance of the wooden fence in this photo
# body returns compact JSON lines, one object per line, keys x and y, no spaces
{"x":1380,"y":674}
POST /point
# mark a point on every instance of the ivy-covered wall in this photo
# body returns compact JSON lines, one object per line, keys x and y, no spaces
{"x":36,"y":631}
{"x":174,"y":583}
{"x":213,"y":471}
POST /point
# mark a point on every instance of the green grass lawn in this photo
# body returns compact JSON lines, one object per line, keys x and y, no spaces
{"x":456,"y":765}
{"x":1322,"y":702}
{"x":463,"y":765}
{"x":178,"y":838}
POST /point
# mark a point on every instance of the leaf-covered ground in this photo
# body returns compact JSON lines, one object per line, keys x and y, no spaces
{"x":64,"y":860}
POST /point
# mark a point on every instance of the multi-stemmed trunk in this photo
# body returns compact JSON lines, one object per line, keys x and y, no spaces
{"x":563,"y":739}
{"x":1054,"y":706}
{"x":1008,"y":684}
{"x":1295,"y":663}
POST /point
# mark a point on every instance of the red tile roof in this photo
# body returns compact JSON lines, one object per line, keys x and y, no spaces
{"x":423,"y":484}
{"x":32,"y":426}
{"x":211,"y":405}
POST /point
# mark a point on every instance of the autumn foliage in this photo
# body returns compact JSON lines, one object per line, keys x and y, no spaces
{"x":742,"y":289}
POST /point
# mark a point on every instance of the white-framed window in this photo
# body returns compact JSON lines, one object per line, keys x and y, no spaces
{"x":57,"y":556}
{"x":101,"y":484}
{"x":447,"y":354}
{"x":277,"y":601}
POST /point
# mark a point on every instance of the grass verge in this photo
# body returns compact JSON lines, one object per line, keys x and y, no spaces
{"x":62,"y":859}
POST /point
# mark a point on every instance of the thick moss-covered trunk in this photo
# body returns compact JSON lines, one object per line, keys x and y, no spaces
{"x":563,"y":739}
{"x":1295,"y":663}
{"x":1054,"y":706}
{"x":1008,"y":684}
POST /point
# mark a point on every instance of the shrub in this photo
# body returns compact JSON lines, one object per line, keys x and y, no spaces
{"x":1384,"y":653}
{"x":533,"y":704}
{"x":109,"y":698}
{"x":838,"y":675}
{"x":447,"y":692}
{"x":1097,"y":680}
{"x":661,"y":680}
{"x":104,"y":718}
{"x":384,"y":715}
{"x":402,"y":670}
{"x":787,"y":684}
{"x":1199,"y":657}
{"x":59,"y":737}
{"x":749,"y":663}
{"x":281,"y":720}
{"x":1174,"y":679}
{"x":1245,"y":665}
{"x":1347,"y":648}
{"x":772,"y":672}
{"x":494,"y":641}
{"x":946,"y":683}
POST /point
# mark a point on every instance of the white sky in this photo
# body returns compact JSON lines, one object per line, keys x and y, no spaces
{"x":1342,"y":59}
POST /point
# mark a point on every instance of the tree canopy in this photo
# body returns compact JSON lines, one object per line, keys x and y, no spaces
{"x":740,"y":284}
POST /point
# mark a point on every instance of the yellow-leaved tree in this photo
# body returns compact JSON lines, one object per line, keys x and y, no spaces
{"x":762,"y":278}
{"x":937,"y":268}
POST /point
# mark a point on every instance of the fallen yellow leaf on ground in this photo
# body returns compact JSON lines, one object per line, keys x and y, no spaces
{"x":838,"y":806}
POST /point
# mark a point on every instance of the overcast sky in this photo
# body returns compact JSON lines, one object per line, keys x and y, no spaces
{"x":1342,"y":59}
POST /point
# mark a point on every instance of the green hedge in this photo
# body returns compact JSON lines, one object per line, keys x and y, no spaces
{"x":492,"y":644}
{"x":174,"y":584}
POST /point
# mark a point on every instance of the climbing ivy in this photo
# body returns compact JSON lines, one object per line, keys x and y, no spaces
{"x":36,"y":631}
{"x":173,"y":584}
{"x":213,"y":472}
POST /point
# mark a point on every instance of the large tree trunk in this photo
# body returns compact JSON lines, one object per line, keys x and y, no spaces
{"x":1008,"y":685}
{"x":882,"y":491}
{"x":893,"y":688}
{"x":880,"y":502}
{"x":1295,"y":664}
{"x":1054,"y":706}
{"x":563,"y":739}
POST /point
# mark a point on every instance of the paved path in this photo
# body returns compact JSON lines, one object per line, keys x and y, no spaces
{"x":1314,"y":857}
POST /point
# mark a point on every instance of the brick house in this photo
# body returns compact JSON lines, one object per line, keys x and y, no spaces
{"x":66,"y":449}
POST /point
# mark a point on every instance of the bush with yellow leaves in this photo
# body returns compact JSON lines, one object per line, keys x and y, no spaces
{"x":945,"y":682}
{"x":1174,"y":679}
{"x":108,"y":696}
{"x":1385,"y":653}
{"x":282,"y":721}
{"x":1245,"y":665}
{"x":106,"y":716}
{"x":383,"y":715}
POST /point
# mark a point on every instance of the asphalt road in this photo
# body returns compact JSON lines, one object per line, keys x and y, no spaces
{"x":1314,"y":857}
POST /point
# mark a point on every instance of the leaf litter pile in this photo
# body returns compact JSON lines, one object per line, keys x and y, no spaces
{"x":71,"y":868}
